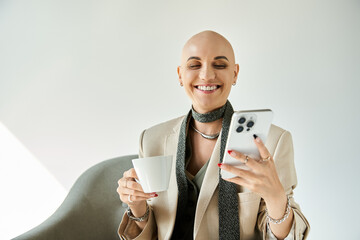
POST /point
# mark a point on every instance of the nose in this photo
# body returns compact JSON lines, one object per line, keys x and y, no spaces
{"x":206,"y":73}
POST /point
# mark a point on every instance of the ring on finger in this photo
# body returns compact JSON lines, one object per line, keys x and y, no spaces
{"x":246,"y":159}
{"x":266,"y":159}
{"x":129,"y":199}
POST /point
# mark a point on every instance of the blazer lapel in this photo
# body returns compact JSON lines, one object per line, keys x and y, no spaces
{"x":170,"y":148}
{"x":210,"y":183}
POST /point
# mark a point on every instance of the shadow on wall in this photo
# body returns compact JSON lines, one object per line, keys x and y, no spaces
{"x":24,"y":182}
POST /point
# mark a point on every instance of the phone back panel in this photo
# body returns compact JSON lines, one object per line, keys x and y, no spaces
{"x":244,"y":124}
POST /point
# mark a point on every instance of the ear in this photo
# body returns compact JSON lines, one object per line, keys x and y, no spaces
{"x":179,"y":74}
{"x":236,"y":72}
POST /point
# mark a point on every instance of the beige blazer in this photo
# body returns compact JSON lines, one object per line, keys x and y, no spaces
{"x":162,"y":139}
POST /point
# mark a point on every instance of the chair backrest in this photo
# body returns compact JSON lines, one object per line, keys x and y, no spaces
{"x":92,"y":209}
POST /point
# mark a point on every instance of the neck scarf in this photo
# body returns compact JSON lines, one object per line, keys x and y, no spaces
{"x":228,"y":200}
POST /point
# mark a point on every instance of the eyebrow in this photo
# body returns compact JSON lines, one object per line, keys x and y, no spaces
{"x":215,"y":58}
{"x":221,"y":57}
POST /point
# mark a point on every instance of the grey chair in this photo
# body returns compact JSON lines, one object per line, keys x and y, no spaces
{"x":91,"y":210}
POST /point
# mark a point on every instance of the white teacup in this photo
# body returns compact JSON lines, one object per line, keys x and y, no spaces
{"x":153,"y":172}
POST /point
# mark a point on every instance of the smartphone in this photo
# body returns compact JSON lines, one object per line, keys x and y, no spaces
{"x":244,"y":124}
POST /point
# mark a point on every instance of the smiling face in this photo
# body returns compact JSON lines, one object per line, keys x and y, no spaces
{"x":207,"y":70}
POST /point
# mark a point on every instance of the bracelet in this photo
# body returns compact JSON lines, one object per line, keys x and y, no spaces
{"x":286,"y":215}
{"x":138,"y":219}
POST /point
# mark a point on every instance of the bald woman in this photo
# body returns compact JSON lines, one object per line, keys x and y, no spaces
{"x":200,"y":204}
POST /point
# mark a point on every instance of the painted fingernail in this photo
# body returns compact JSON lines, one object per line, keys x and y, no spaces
{"x":219,"y":164}
{"x":154,"y":195}
{"x":255,"y":136}
{"x":232,"y":153}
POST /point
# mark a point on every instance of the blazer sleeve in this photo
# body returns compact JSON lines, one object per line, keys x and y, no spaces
{"x":284,"y":162}
{"x":128,"y":229}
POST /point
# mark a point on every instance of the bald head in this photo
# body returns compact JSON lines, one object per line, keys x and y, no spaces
{"x":206,"y":43}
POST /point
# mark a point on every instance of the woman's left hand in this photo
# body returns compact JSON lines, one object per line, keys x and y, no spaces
{"x":261,"y":178}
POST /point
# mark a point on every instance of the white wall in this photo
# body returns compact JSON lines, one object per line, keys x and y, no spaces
{"x":29,"y":192}
{"x":80,"y":79}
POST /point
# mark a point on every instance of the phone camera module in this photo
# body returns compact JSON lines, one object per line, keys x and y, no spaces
{"x":250,"y":124}
{"x":242,"y":120}
{"x":240,"y":129}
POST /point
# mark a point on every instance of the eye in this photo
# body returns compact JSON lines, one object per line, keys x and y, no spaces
{"x":220,"y":66}
{"x":192,"y":66}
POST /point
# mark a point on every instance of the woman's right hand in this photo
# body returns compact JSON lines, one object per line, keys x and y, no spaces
{"x":131,"y":193}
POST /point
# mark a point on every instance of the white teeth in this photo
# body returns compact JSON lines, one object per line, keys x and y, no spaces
{"x":207,"y":88}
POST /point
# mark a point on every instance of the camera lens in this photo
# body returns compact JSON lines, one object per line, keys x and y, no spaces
{"x":242,"y":120}
{"x":240,"y":129}
{"x":250,"y":124}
